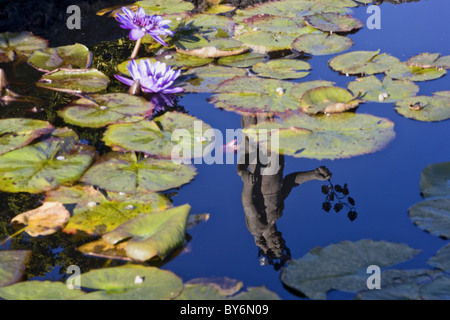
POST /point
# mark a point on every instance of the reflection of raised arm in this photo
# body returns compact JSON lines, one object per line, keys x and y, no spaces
{"x":297,"y":178}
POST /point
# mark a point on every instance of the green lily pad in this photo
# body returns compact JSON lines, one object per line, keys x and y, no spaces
{"x":276,"y":24}
{"x":131,"y":282}
{"x":211,"y":25}
{"x":244,"y":60}
{"x":71,"y":56}
{"x":12,"y":265}
{"x":20,"y":44}
{"x":256,"y":293}
{"x":74,"y":80}
{"x":429,"y":60}
{"x":426,"y":108}
{"x":300,"y":88}
{"x":435,"y":180}
{"x":252,"y":94}
{"x":414,"y":73}
{"x":97,"y":218}
{"x":362,"y":62}
{"x":100,"y":110}
{"x":433,"y":216}
{"x":341,"y":266}
{"x":39,"y":290}
{"x":127,"y":173}
{"x":328,"y":100}
{"x":321,"y":43}
{"x":44,"y":165}
{"x":154,"y":234}
{"x":180,"y":60}
{"x":206,"y":79}
{"x":441,"y":259}
{"x":220,"y":8}
{"x":333,"y":22}
{"x":155,"y":137}
{"x":164,"y":6}
{"x":333,"y":136}
{"x":282,"y":69}
{"x":74,"y":194}
{"x":18,"y":132}
{"x":403,"y":285}
{"x":263,"y":42}
{"x":372,"y":89}
{"x":215,"y":48}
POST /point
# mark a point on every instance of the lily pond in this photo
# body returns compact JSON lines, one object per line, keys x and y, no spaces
{"x":128,"y":139}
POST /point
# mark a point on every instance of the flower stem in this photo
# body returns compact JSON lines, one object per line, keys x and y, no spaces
{"x":136,"y":48}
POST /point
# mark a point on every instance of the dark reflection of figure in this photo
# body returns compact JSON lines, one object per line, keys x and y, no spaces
{"x":263,"y":198}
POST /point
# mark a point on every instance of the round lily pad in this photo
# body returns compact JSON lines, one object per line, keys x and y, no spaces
{"x":43,"y":166}
{"x":333,"y":22}
{"x":177,"y":59}
{"x":126,"y":172}
{"x":276,"y":24}
{"x":362,"y":62}
{"x":207,"y":78}
{"x":429,"y":60}
{"x":131,"y":282}
{"x":244,"y":60}
{"x":433,"y":216}
{"x":263,"y":42}
{"x":341,"y":266}
{"x":426,"y":108}
{"x":39,"y":290}
{"x":154,"y":234}
{"x":103,"y":109}
{"x":71,"y":56}
{"x":18,"y":132}
{"x":441,"y":259}
{"x":215,"y":48}
{"x":20,"y":44}
{"x":328,"y":100}
{"x":414,"y":73}
{"x":333,"y":136}
{"x":164,"y":6}
{"x":435,"y":180}
{"x":321,"y":43}
{"x":155,"y":137}
{"x":74,"y":80}
{"x":211,"y":25}
{"x":372,"y":89}
{"x":282,"y":69}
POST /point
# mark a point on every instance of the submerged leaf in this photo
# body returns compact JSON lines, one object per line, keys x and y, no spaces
{"x":12,"y":265}
{"x":44,"y":220}
{"x":154,"y":234}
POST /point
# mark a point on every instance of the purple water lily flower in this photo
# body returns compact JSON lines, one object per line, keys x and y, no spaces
{"x":153,"y":77}
{"x":141,"y":23}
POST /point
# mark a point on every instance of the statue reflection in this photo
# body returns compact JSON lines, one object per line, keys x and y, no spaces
{"x":263,"y":197}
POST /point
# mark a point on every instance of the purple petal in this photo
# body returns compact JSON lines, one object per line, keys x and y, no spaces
{"x":158,"y":39}
{"x":124,"y":80}
{"x":173,"y":90}
{"x":136,"y":34}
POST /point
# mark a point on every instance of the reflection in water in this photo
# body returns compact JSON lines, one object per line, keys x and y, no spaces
{"x":263,"y":198}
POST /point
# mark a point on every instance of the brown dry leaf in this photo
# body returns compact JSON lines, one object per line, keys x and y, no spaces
{"x":44,"y":220}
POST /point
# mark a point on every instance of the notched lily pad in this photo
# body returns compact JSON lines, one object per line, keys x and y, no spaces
{"x":263,"y":42}
{"x":333,"y":136}
{"x":18,"y":132}
{"x":362,"y":62}
{"x":426,"y":108}
{"x":333,"y":22}
{"x":164,"y":6}
{"x":387,"y":91}
{"x":74,"y":80}
{"x":435,"y":180}
{"x":433,"y":216}
{"x":100,"y":110}
{"x":44,"y":220}
{"x":44,"y":165}
{"x":39,"y":290}
{"x":180,"y":60}
{"x":321,"y":43}
{"x":282,"y":69}
{"x":71,"y":56}
{"x":242,"y":60}
{"x":414,"y":72}
{"x":429,"y":60}
{"x":130,"y":173}
{"x":207,"y":78}
{"x":342,"y":266}
{"x":150,"y":235}
{"x":215,"y":48}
